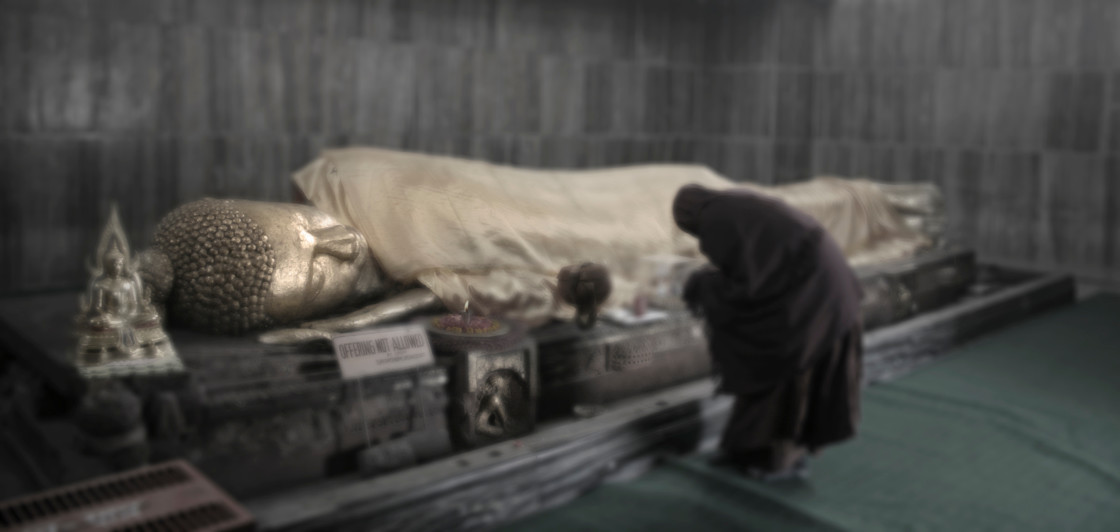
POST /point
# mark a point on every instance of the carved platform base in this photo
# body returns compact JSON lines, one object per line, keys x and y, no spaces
{"x":563,"y":459}
{"x":262,"y":418}
{"x":136,"y":368}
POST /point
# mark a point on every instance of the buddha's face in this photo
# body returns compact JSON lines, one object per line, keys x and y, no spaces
{"x":245,"y":265}
{"x":113,"y":264}
{"x":320,"y":264}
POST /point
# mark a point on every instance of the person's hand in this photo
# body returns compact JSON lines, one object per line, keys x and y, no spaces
{"x":693,"y":290}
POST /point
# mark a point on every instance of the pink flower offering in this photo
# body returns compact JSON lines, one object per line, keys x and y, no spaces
{"x":454,"y":323}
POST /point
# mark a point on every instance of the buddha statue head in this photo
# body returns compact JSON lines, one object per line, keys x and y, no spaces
{"x":232,"y":266}
{"x":113,"y":263}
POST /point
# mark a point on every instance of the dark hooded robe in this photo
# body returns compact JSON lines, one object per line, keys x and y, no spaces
{"x":783,"y":311}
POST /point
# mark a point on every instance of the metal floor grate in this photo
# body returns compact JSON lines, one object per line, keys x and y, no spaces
{"x":69,"y":499}
{"x":198,"y":518}
{"x":170,"y":497}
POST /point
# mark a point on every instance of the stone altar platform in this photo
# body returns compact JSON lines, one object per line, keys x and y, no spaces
{"x":274,"y":424}
{"x":500,"y":483}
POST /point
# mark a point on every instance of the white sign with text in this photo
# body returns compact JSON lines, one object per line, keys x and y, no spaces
{"x":383,"y":350}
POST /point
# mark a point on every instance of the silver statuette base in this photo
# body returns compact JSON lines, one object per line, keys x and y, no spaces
{"x":134,"y":368}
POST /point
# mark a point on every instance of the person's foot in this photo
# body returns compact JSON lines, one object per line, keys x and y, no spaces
{"x":720,"y":460}
{"x":798,"y":471}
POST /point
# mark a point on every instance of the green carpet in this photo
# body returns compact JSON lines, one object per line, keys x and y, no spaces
{"x":1019,"y":430}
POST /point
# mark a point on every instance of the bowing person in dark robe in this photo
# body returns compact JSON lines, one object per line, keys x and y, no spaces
{"x":782,"y":308}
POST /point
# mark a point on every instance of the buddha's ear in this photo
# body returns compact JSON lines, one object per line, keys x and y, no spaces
{"x":337,"y":241}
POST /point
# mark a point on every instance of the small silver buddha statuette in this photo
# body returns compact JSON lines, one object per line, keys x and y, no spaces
{"x":119,"y":331}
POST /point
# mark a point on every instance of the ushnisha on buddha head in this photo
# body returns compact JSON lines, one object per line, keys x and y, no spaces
{"x":234,"y":266}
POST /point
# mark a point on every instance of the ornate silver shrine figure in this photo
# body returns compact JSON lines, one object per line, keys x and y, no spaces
{"x":120,"y":332}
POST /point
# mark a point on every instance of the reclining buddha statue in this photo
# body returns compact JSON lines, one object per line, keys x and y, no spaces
{"x":391,"y":233}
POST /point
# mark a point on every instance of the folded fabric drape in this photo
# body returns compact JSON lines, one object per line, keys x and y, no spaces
{"x":498,"y":235}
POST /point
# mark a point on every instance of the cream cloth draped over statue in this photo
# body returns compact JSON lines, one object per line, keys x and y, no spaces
{"x":498,"y":235}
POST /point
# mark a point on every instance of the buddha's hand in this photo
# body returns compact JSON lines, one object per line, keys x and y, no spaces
{"x":295,"y":336}
{"x":396,"y":307}
{"x":392,"y":309}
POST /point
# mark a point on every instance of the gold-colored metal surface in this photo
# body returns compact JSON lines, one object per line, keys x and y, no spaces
{"x":503,"y":406}
{"x":397,"y":306}
{"x":239,"y":266}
